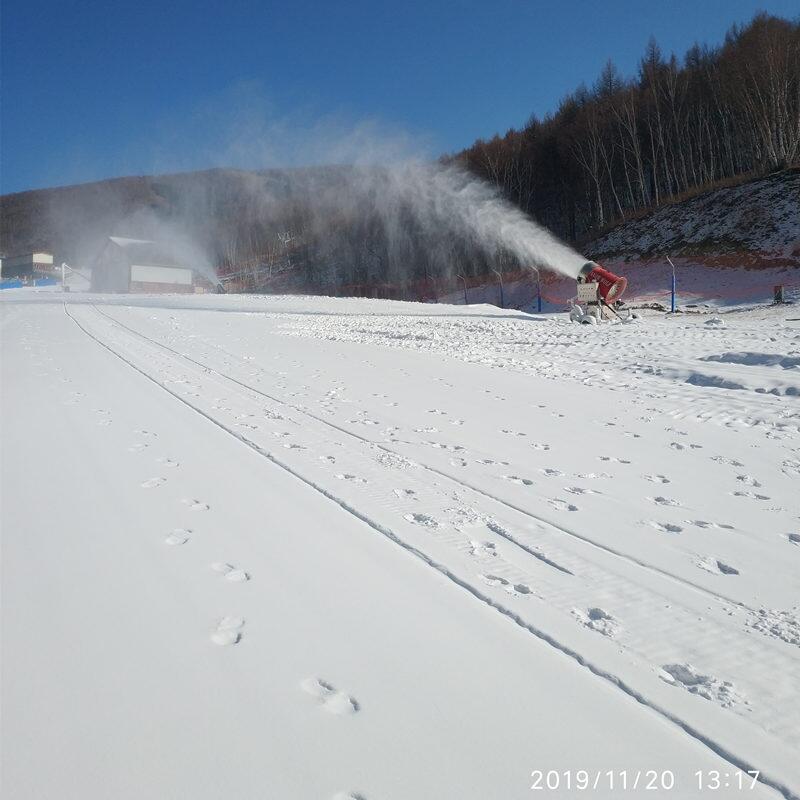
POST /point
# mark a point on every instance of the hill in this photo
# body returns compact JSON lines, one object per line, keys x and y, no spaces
{"x":756,"y":222}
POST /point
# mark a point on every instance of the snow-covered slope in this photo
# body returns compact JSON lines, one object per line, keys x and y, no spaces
{"x":759,"y":218}
{"x":300,"y":547}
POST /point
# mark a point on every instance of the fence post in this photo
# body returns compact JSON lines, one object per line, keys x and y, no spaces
{"x":672,"y":293}
{"x":465,"y":288}
{"x":500,"y":277}
{"x":538,"y":290}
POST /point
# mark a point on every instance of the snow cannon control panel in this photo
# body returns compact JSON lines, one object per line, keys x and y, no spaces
{"x":610,"y":286}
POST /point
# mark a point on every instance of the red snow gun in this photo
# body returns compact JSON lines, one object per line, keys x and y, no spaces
{"x":610,"y":287}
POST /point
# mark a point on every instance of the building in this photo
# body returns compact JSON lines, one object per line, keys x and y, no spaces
{"x":138,"y":265}
{"x":30,"y":265}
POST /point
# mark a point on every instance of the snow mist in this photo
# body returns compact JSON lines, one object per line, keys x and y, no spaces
{"x":448,"y":201}
{"x":401,"y":218}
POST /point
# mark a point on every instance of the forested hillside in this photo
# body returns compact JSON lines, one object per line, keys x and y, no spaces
{"x":678,"y":126}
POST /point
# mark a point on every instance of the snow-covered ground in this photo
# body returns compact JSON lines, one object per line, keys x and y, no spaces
{"x":261,"y":547}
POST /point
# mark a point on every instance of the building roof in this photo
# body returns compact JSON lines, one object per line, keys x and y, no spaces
{"x":148,"y":253}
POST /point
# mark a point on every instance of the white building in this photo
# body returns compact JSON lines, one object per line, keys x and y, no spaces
{"x":139,"y":265}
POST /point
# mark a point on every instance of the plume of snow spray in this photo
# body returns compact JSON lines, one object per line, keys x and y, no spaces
{"x":447,"y":200}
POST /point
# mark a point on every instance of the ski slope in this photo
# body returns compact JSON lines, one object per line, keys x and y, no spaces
{"x":315,"y":548}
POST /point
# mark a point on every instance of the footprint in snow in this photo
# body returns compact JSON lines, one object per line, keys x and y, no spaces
{"x":479,"y":549}
{"x":705,"y":524}
{"x":290,"y":446}
{"x":597,"y":619}
{"x":178,"y":536}
{"x":614,"y":460}
{"x":516,"y":479}
{"x":790,"y":468}
{"x":794,"y":538}
{"x":716,"y":567}
{"x":686,"y":677}
{"x":562,"y":505}
{"x":344,"y":476}
{"x":330,"y":698}
{"x":511,"y":588}
{"x":748,"y":480}
{"x":228,"y":631}
{"x":751,"y":495}
{"x":664,"y":527}
{"x":680,"y":446}
{"x":664,"y":501}
{"x":552,"y":473}
{"x":458,"y":462}
{"x":540,"y":446}
{"x":580,"y":490}
{"x":421,"y":519}
{"x":512,"y":433}
{"x":195,"y":505}
{"x":657,"y":478}
{"x":349,"y":796}
{"x":153,"y":483}
{"x":778,"y":624}
{"x":230,"y":572}
{"x":329,"y":459}
{"x":730,"y":461}
{"x":148,"y":434}
{"x":453,"y":448}
{"x":168,"y":462}
{"x":138,"y":447}
{"x":405,"y":494}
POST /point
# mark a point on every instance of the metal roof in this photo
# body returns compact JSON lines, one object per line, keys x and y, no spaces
{"x":148,"y":253}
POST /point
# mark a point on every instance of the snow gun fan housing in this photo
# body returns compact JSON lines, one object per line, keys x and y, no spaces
{"x":611,"y":286}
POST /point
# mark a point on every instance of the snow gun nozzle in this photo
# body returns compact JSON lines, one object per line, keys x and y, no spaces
{"x":611,"y":286}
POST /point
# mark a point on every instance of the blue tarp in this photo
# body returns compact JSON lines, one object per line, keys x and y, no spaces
{"x":15,"y":283}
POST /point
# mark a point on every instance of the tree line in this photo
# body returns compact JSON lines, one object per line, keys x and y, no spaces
{"x":625,"y":145}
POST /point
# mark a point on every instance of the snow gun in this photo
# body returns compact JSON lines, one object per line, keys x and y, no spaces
{"x":610,"y":286}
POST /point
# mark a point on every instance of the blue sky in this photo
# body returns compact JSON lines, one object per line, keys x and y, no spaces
{"x":96,"y":89}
